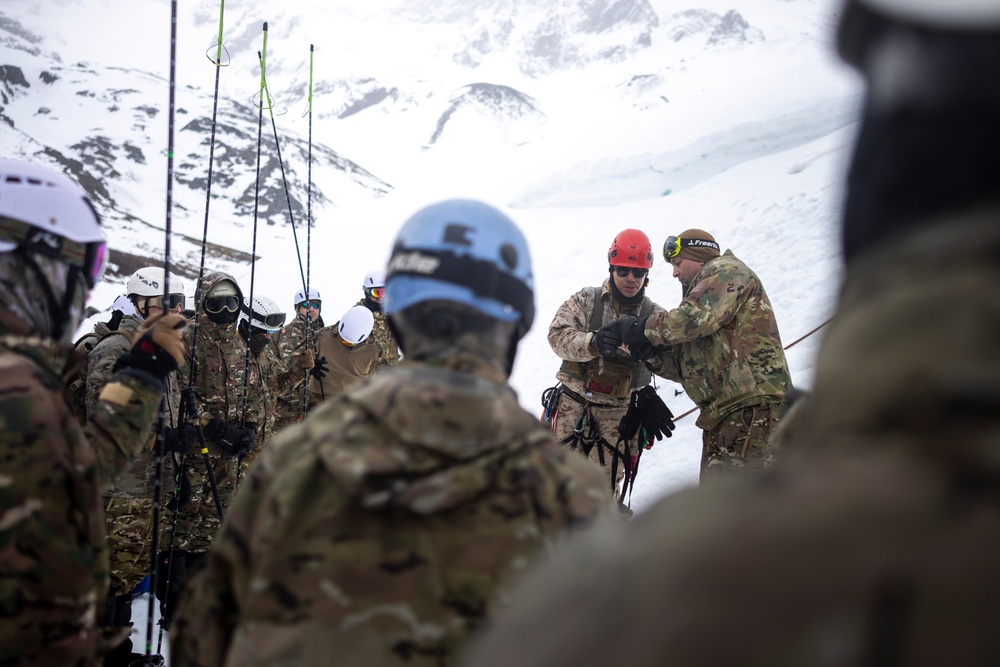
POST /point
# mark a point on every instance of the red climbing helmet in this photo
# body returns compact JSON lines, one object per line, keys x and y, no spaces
{"x":631,"y":248}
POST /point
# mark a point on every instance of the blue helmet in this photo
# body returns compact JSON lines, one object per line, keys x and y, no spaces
{"x":462,"y":251}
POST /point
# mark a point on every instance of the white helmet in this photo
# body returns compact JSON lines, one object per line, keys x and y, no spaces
{"x":145,"y":286}
{"x":46,"y":213}
{"x":124,"y":304}
{"x":300,"y":296}
{"x":356,"y":325}
{"x":374,"y":278}
{"x":267,"y":315}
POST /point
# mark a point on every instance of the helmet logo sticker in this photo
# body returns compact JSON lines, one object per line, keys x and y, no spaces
{"x":457,"y":234}
{"x":414,"y":262}
{"x":43,"y":242}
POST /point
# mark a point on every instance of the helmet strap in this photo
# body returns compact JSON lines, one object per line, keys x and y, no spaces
{"x":621,"y":298}
{"x":58,"y":313}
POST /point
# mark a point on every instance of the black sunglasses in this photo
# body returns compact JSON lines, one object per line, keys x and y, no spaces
{"x":623,"y":271}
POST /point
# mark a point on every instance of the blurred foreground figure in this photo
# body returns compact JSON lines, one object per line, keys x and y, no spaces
{"x":53,"y":555}
{"x":384,"y":528}
{"x":876,"y":538}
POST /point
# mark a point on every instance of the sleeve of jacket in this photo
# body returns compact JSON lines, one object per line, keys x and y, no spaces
{"x":709,"y":306}
{"x":122,"y":421}
{"x":568,"y":334}
{"x":100,"y":364}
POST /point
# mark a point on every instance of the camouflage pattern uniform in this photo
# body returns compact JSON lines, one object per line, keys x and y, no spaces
{"x":128,"y":502}
{"x":388,"y":347}
{"x":385,"y":528}
{"x":54,"y":559}
{"x":277,"y":380}
{"x":590,"y":377}
{"x":722,"y":344}
{"x":288,"y":345}
{"x":221,"y":368}
{"x":875,"y":538}
{"x":347,"y":364}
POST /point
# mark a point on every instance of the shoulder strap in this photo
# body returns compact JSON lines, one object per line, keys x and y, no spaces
{"x":647,"y":307}
{"x":597,"y":314}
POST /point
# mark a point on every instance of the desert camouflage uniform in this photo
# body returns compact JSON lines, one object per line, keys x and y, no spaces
{"x":221,"y":368}
{"x":128,"y":502}
{"x":347,"y":365}
{"x":875,"y":538}
{"x":722,"y":345}
{"x":569,"y":337}
{"x":54,"y":558}
{"x":388,"y":347}
{"x":289,"y":344}
{"x":385,"y":528}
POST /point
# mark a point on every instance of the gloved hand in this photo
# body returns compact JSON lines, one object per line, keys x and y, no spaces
{"x":320,"y":370}
{"x":656,"y":416}
{"x":607,"y":339}
{"x":180,"y":440}
{"x":628,"y":427}
{"x":307,"y":360}
{"x":632,"y":331}
{"x":233,"y":439}
{"x":158,"y":347}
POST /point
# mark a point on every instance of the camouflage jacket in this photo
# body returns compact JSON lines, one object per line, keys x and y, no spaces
{"x":570,"y":335}
{"x":722,"y":343}
{"x":388,"y":347}
{"x":878,"y":530}
{"x":288,"y":345}
{"x":54,"y":561}
{"x":385,"y":528}
{"x":347,"y":365}
{"x":139,"y":480}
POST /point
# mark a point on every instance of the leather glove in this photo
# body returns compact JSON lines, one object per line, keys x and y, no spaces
{"x":656,"y":416}
{"x":158,"y":346}
{"x":607,"y":339}
{"x":628,"y":427}
{"x":180,"y":440}
{"x":632,"y":330}
{"x":307,"y":360}
{"x":320,"y":370}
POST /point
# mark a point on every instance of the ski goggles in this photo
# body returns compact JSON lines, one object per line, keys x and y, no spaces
{"x":376,"y":293}
{"x":173,"y":301}
{"x":217,"y":304}
{"x":274,"y":321}
{"x":310,"y":304}
{"x":347,"y":343}
{"x":91,"y":258}
{"x":672,"y":246}
{"x":623,"y":271}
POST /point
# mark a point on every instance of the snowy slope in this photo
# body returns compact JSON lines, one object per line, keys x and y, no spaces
{"x":670,"y":115}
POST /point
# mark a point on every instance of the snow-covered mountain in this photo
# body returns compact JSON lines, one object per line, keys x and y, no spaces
{"x":578,"y":117}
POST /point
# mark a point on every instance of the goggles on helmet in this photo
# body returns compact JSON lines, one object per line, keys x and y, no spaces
{"x":217,"y":304}
{"x":623,"y":271}
{"x":91,"y":258}
{"x":375,"y":293}
{"x":672,"y":246}
{"x":276,"y":320}
{"x":173,"y":300}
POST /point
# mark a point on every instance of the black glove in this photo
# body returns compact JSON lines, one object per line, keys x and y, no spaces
{"x":234,"y":439}
{"x":607,"y":339}
{"x":656,"y":416}
{"x":629,"y":425}
{"x":632,"y":330}
{"x":180,"y":440}
{"x":158,"y":346}
{"x":319,"y":369}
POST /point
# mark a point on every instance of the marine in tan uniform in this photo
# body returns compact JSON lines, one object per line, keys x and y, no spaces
{"x":596,"y":387}
{"x":349,"y":351}
{"x":387,"y":527}
{"x":875,"y":538}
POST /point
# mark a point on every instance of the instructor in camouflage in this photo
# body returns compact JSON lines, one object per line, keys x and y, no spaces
{"x":387,"y":526}
{"x":293,"y":348}
{"x":596,"y":387}
{"x":722,"y":344}
{"x":374,"y":295}
{"x":53,"y":549}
